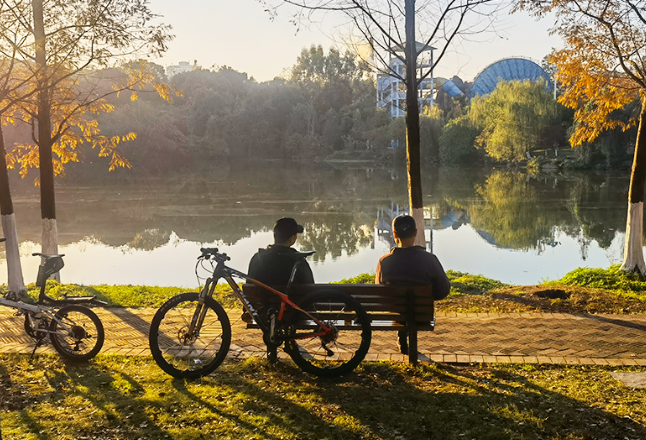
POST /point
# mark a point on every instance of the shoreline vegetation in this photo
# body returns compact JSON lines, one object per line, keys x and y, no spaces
{"x":581,"y":291}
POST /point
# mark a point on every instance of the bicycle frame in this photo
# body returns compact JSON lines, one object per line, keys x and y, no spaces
{"x":30,"y":309}
{"x":227,"y":273}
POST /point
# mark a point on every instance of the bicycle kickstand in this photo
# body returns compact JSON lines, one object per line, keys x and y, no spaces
{"x":38,"y":344}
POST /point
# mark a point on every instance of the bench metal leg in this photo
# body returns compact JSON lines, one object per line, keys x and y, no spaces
{"x":411,"y":325}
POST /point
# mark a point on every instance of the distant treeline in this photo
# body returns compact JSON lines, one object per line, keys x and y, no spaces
{"x":325,"y":108}
{"x":324,"y":105}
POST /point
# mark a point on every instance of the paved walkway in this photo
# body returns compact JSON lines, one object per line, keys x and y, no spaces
{"x":550,"y":338}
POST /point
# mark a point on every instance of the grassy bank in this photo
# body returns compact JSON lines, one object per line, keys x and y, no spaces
{"x":130,"y":398}
{"x":580,"y":291}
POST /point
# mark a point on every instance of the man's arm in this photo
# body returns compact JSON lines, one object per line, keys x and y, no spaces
{"x":304,"y":274}
{"x":441,"y":284}
{"x":379,"y":276}
{"x":254,"y":267}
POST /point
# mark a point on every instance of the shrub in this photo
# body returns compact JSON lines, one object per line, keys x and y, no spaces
{"x":457,"y":141}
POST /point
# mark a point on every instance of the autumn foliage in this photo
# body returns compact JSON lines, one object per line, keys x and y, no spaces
{"x":74,"y":122}
{"x":600,"y":70}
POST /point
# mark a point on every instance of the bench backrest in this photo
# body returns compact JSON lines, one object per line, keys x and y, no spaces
{"x":386,"y":304}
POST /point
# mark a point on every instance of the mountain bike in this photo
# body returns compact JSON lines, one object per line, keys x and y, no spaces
{"x":74,"y":331}
{"x":190,"y":334}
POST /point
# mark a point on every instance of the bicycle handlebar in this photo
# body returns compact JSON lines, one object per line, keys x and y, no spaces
{"x":213,"y":252}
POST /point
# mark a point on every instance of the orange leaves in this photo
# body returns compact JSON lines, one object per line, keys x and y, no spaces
{"x":108,"y":148}
{"x":26,"y":156}
{"x":600,"y":69}
{"x":75,"y":101}
{"x":594,"y":92}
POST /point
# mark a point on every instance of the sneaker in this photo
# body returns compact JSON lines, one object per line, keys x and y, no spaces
{"x":246,"y":317}
{"x":402,"y":344}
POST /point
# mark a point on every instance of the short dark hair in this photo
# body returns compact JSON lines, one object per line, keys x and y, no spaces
{"x":284,"y":228}
{"x":404,"y":226}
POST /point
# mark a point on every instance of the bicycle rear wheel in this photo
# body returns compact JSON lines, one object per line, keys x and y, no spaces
{"x":184,"y":355}
{"x":76,"y":333}
{"x":338,"y":352}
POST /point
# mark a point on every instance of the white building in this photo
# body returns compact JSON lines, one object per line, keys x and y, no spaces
{"x":391,"y":91}
{"x":183,"y":66}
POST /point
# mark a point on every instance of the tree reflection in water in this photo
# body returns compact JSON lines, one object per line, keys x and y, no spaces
{"x":334,"y":235}
{"x":521,"y":212}
{"x":511,"y":213}
{"x":336,"y":203}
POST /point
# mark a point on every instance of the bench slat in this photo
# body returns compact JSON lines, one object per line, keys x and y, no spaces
{"x":389,"y":306}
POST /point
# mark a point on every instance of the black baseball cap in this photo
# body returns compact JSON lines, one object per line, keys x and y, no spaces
{"x":286,"y":227}
{"x":404,"y":225}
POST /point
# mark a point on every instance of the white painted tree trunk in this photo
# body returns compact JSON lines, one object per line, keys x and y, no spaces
{"x":50,"y":241}
{"x":14,"y":268}
{"x":633,"y":249}
{"x":418,"y":215}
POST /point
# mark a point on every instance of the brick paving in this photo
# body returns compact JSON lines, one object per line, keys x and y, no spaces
{"x":539,"y":338}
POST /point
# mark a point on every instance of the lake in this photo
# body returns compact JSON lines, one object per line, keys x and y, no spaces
{"x":506,"y":225}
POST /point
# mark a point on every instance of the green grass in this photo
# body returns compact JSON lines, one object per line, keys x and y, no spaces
{"x":465,"y":283}
{"x":588,"y":291}
{"x":364,"y":278}
{"x":128,"y":295}
{"x":461,"y":283}
{"x":612,"y":278}
{"x":129,"y":398}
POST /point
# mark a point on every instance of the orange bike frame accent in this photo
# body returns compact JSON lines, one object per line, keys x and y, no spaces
{"x":283,"y":298}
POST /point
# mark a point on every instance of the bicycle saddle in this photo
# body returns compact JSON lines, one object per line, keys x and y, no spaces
{"x":51,"y":265}
{"x":45,"y":256}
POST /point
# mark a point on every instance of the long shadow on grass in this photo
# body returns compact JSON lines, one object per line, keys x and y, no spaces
{"x":274,"y":410}
{"x":111,"y":391}
{"x":17,"y":398}
{"x":443,"y":402}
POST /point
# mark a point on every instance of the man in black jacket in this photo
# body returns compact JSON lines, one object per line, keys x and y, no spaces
{"x":273,"y":266}
{"x":410,"y":264}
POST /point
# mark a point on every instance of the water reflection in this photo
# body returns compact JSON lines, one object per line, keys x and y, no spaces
{"x":509,"y":213}
{"x":476,"y":215}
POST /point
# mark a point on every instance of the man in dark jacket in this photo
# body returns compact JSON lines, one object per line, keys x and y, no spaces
{"x":410,"y":264}
{"x":273,"y":266}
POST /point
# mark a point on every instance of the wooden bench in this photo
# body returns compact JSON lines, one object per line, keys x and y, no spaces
{"x":390,"y":307}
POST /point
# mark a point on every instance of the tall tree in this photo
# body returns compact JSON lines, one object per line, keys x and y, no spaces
{"x":70,"y":40}
{"x":392,"y":29}
{"x":16,"y":84}
{"x":602,"y":70}
{"x":512,"y":118}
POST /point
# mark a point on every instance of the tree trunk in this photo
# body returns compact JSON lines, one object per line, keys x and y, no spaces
{"x":47,"y":198}
{"x":633,"y":250}
{"x":15,"y":280}
{"x":412,"y":126}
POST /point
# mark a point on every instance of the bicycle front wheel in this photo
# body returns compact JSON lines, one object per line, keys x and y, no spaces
{"x":338,"y":352}
{"x":76,"y":333}
{"x":189,"y":354}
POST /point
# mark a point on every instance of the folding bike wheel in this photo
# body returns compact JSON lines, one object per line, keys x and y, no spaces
{"x":76,"y":333}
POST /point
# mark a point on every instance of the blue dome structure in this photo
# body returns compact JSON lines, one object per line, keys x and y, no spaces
{"x":451,"y":89}
{"x":509,"y":69}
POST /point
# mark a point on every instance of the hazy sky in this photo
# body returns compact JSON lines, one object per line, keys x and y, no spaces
{"x":240,"y":34}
